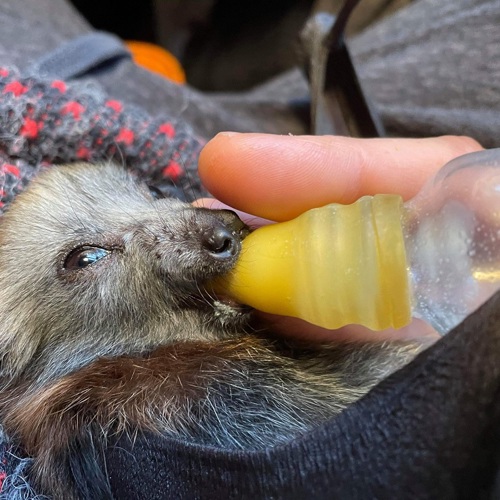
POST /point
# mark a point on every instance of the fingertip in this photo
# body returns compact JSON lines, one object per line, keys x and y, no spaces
{"x":249,"y":219}
{"x":460,"y":144}
{"x":234,"y":168}
{"x":208,"y":157}
{"x":261,"y":172}
{"x":218,"y":161}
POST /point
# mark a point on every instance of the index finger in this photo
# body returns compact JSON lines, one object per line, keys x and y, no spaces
{"x":279,"y":177}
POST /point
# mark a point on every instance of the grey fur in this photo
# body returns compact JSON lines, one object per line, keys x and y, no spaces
{"x":138,"y":287}
{"x":150,"y":291}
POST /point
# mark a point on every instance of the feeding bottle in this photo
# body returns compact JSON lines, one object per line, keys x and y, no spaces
{"x":379,"y":262}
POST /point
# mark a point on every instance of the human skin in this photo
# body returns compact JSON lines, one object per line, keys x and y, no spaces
{"x":279,"y":177}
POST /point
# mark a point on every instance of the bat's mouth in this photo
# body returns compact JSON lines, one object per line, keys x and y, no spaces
{"x":219,"y":308}
{"x":206,"y":298}
{"x":227,"y":308}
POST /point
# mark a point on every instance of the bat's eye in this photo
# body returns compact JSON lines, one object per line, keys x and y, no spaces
{"x":84,"y":256}
{"x":156,"y":193}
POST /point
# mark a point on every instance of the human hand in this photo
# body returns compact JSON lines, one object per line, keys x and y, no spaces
{"x":280,"y":177}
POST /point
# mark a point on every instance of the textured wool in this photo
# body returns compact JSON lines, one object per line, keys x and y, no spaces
{"x":47,"y":122}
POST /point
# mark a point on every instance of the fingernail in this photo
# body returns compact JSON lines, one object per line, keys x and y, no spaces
{"x":228,"y":134}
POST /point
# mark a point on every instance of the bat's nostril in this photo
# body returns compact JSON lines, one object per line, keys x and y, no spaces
{"x":221,"y":243}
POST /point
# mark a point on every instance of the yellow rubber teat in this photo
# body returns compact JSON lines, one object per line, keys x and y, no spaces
{"x":331,"y":266}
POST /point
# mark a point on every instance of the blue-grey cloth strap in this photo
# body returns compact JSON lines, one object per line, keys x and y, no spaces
{"x":81,"y":55}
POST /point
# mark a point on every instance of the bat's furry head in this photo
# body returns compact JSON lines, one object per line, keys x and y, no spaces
{"x":92,"y":264}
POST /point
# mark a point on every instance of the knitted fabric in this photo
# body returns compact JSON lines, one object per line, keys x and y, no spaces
{"x":13,"y":473}
{"x":46,"y":122}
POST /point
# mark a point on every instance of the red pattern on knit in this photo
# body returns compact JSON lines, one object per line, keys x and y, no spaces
{"x":48,"y":122}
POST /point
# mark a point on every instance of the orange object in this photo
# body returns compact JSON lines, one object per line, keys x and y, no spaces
{"x":157,"y":59}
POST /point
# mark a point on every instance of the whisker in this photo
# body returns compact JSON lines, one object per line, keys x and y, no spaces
{"x":120,"y":153}
{"x":78,"y":219}
{"x":188,"y":179}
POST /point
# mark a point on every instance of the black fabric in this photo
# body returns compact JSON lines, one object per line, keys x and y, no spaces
{"x":430,"y":431}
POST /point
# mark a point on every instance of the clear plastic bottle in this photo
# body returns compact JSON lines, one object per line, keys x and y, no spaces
{"x":452,"y":233}
{"x":379,"y":262}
